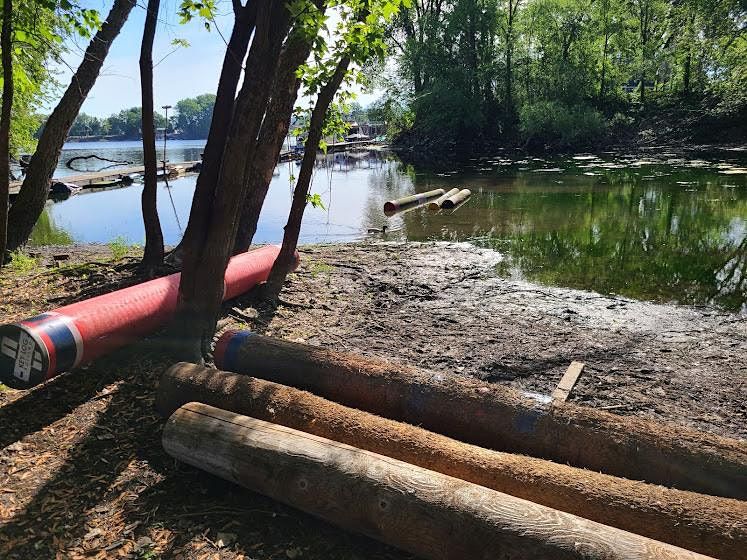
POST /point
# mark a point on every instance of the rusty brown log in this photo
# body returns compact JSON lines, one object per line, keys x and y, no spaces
{"x":498,"y":417}
{"x":706,"y":524}
{"x":432,"y":515}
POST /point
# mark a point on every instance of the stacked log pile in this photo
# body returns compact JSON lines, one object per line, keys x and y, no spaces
{"x":463,"y":496}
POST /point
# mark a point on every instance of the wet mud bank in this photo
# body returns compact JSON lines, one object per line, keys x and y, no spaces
{"x":442,"y":306}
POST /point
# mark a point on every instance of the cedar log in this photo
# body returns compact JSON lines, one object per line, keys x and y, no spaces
{"x":432,"y":515}
{"x":705,"y":524}
{"x":498,"y":417}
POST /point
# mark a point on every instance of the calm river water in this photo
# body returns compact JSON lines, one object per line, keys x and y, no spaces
{"x":661,"y":228}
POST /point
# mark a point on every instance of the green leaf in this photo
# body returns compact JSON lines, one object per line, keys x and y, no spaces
{"x":315,"y":200}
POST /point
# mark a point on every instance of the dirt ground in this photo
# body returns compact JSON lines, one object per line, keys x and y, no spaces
{"x":82,"y":471}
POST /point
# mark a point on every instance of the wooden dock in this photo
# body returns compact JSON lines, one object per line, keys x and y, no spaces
{"x":86,"y":179}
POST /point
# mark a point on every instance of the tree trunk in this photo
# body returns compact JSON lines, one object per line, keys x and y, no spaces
{"x":509,"y":76}
{"x":604,"y":68}
{"x":244,"y":24}
{"x":30,"y":201}
{"x":208,"y":251}
{"x":687,"y":71}
{"x":274,"y":129}
{"x":286,"y":258}
{"x":6,"y":44}
{"x":644,"y":15}
{"x":153,"y":254}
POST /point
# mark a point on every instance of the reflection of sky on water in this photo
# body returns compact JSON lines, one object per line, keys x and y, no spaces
{"x":343,"y":183}
{"x":654,"y":230}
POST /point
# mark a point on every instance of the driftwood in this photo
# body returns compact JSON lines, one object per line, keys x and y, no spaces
{"x":706,"y":524}
{"x":69,"y":163}
{"x":498,"y":417}
{"x":434,"y":516}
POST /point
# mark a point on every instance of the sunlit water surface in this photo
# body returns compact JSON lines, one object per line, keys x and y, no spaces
{"x":662,"y":228}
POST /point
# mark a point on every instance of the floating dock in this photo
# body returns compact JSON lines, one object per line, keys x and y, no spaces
{"x":85,"y":180}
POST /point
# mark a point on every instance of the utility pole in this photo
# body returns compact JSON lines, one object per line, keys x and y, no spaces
{"x":165,"y":131}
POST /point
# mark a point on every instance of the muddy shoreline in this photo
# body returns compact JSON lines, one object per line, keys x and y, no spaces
{"x":441,"y":306}
{"x":82,"y":470}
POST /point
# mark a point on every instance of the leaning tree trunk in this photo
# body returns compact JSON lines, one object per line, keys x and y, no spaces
{"x":208,"y":252}
{"x":603,"y":77}
{"x":153,"y":254}
{"x":30,"y":201}
{"x":6,"y":44}
{"x":510,"y":108}
{"x":238,"y":43}
{"x":286,"y":259}
{"x":271,"y":135}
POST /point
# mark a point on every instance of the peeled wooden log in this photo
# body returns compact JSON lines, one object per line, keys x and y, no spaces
{"x":455,"y":201}
{"x":705,"y":524}
{"x":427,"y":513}
{"x":498,"y":417}
{"x":435,"y":205}
{"x":406,"y":203}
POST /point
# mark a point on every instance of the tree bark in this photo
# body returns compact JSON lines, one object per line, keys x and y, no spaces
{"x":498,"y":417}
{"x":153,"y":254}
{"x":30,"y":201}
{"x":286,"y":259}
{"x":274,"y":129}
{"x":510,"y":109}
{"x":432,"y":515}
{"x":244,"y":23}
{"x":644,"y":16}
{"x":705,"y":524}
{"x":209,"y":249}
{"x":603,"y":77}
{"x":6,"y":44}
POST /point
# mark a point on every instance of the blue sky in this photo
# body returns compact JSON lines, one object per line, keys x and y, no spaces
{"x":185,"y":73}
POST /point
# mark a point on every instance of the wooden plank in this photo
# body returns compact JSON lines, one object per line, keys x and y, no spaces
{"x":567,"y":382}
{"x":429,"y":514}
{"x":705,"y":524}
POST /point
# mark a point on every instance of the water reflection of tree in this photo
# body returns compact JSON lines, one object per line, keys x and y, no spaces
{"x":46,"y":232}
{"x":389,"y":181}
{"x":645,"y":239}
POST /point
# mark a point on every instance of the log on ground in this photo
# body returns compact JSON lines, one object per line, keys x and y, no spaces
{"x":430,"y":514}
{"x":706,"y":524}
{"x":498,"y":417}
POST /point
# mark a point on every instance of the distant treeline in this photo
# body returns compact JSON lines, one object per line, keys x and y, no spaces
{"x":190,"y":119}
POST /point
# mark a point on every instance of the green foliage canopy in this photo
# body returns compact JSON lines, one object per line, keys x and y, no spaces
{"x":38,"y":31}
{"x":468,"y":68}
